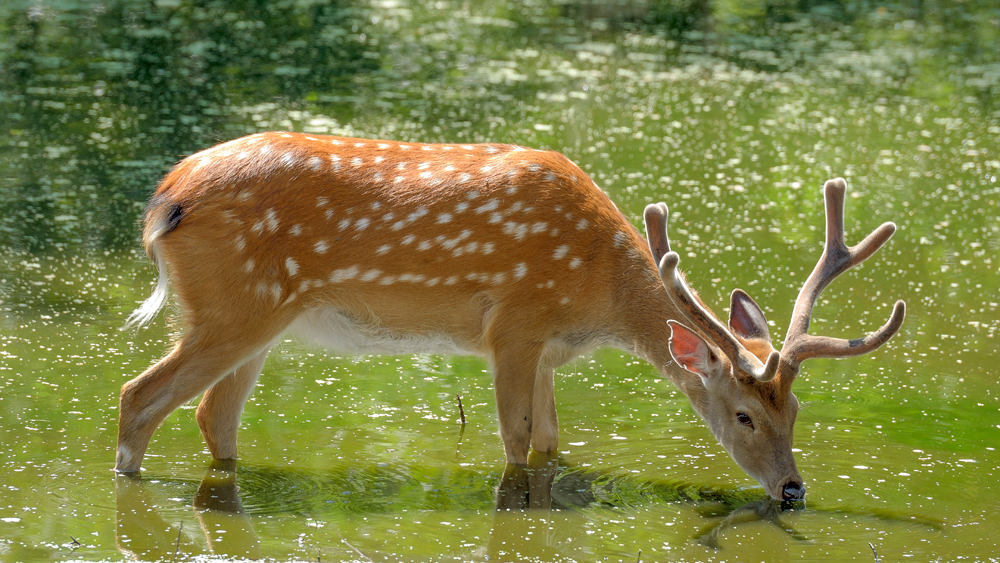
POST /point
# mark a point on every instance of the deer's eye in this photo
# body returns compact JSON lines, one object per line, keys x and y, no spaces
{"x":744,"y":420}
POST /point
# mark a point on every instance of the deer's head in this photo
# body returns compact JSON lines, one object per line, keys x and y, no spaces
{"x":745,"y":394}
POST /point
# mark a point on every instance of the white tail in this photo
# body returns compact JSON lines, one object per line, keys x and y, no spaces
{"x":513,"y":254}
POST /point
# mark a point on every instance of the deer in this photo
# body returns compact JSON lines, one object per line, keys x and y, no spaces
{"x":512,"y":254}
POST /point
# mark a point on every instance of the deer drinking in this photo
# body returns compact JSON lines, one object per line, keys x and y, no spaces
{"x":513,"y":254}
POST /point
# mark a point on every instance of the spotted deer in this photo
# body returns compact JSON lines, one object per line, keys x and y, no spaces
{"x":369,"y":246}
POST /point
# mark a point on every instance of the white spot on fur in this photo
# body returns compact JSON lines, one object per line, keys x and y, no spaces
{"x":408,"y":239}
{"x":362,"y":223}
{"x":321,"y":201}
{"x":383,"y":146}
{"x":488,"y":248}
{"x":292,"y":266}
{"x":335,"y":162}
{"x":467,"y":147}
{"x":564,"y":301}
{"x":248,"y":267}
{"x":371,"y":275}
{"x":516,"y":230}
{"x":575,"y":263}
{"x":385,"y":248}
{"x":295,"y":231}
{"x":387,"y":280}
{"x":582,"y":224}
{"x":539,"y":227}
{"x":257,"y":227}
{"x":620,"y":239}
{"x":344,"y":274}
{"x":560,"y":252}
{"x":499,"y":278}
{"x":444,"y":218}
{"x":356,"y":161}
{"x":321,"y":247}
{"x":461,"y":207}
{"x":424,"y":245}
{"x":272,"y":220}
{"x":359,"y":145}
{"x":288,"y":159}
{"x":432,"y":282}
{"x":491,"y":205}
{"x":520,"y":270}
{"x":452,"y":280}
{"x":240,"y":243}
{"x":423,"y":165}
{"x":315,"y":162}
{"x":343,"y":224}
{"x":492,"y":150}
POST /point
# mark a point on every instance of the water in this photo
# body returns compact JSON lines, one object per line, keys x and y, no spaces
{"x":347,"y":458}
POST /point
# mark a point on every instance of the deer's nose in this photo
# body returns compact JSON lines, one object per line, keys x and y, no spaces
{"x":793,"y":490}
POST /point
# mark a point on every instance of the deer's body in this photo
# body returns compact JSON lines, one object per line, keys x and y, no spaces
{"x":374,"y":246}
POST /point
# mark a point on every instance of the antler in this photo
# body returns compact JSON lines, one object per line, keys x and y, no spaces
{"x":837,"y":258}
{"x":656,"y":227}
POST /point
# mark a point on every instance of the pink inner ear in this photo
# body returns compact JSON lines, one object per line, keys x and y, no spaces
{"x":688,"y":349}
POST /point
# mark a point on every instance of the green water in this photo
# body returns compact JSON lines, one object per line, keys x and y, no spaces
{"x":732,"y":113}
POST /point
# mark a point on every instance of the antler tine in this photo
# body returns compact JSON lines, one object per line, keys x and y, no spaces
{"x":655,"y":215}
{"x":837,"y":258}
{"x":711,"y":326}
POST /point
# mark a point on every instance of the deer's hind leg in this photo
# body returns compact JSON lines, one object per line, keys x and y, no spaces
{"x":204,"y":355}
{"x":222,"y":405}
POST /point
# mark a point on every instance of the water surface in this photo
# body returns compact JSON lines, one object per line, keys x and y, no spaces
{"x":735,"y":126}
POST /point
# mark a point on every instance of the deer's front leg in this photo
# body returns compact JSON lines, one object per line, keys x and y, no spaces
{"x":515,"y":371}
{"x":544,"y":422}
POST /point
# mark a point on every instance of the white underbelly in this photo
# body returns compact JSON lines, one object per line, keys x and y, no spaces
{"x":331,"y":328}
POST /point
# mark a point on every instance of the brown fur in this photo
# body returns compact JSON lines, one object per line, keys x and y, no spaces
{"x":508,"y":253}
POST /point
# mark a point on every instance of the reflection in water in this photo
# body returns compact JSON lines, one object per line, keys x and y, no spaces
{"x":533,"y":515}
{"x":220,"y":514}
{"x":767,"y":510}
{"x":142,"y":533}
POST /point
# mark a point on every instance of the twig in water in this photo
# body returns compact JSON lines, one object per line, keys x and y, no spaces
{"x":877,"y":560}
{"x":461,"y":411}
{"x":178,"y":549}
{"x":366,"y":558}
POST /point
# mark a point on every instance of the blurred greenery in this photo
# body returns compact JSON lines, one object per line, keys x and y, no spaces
{"x":99,"y":99}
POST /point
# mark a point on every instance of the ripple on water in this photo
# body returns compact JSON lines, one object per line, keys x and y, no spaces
{"x":358,"y":490}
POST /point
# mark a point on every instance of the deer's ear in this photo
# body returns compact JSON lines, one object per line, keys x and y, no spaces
{"x":745,"y":317}
{"x":691,"y":352}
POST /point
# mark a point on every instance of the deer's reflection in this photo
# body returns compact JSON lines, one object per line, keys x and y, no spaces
{"x":536,"y":511}
{"x":767,"y":510}
{"x":142,"y":533}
